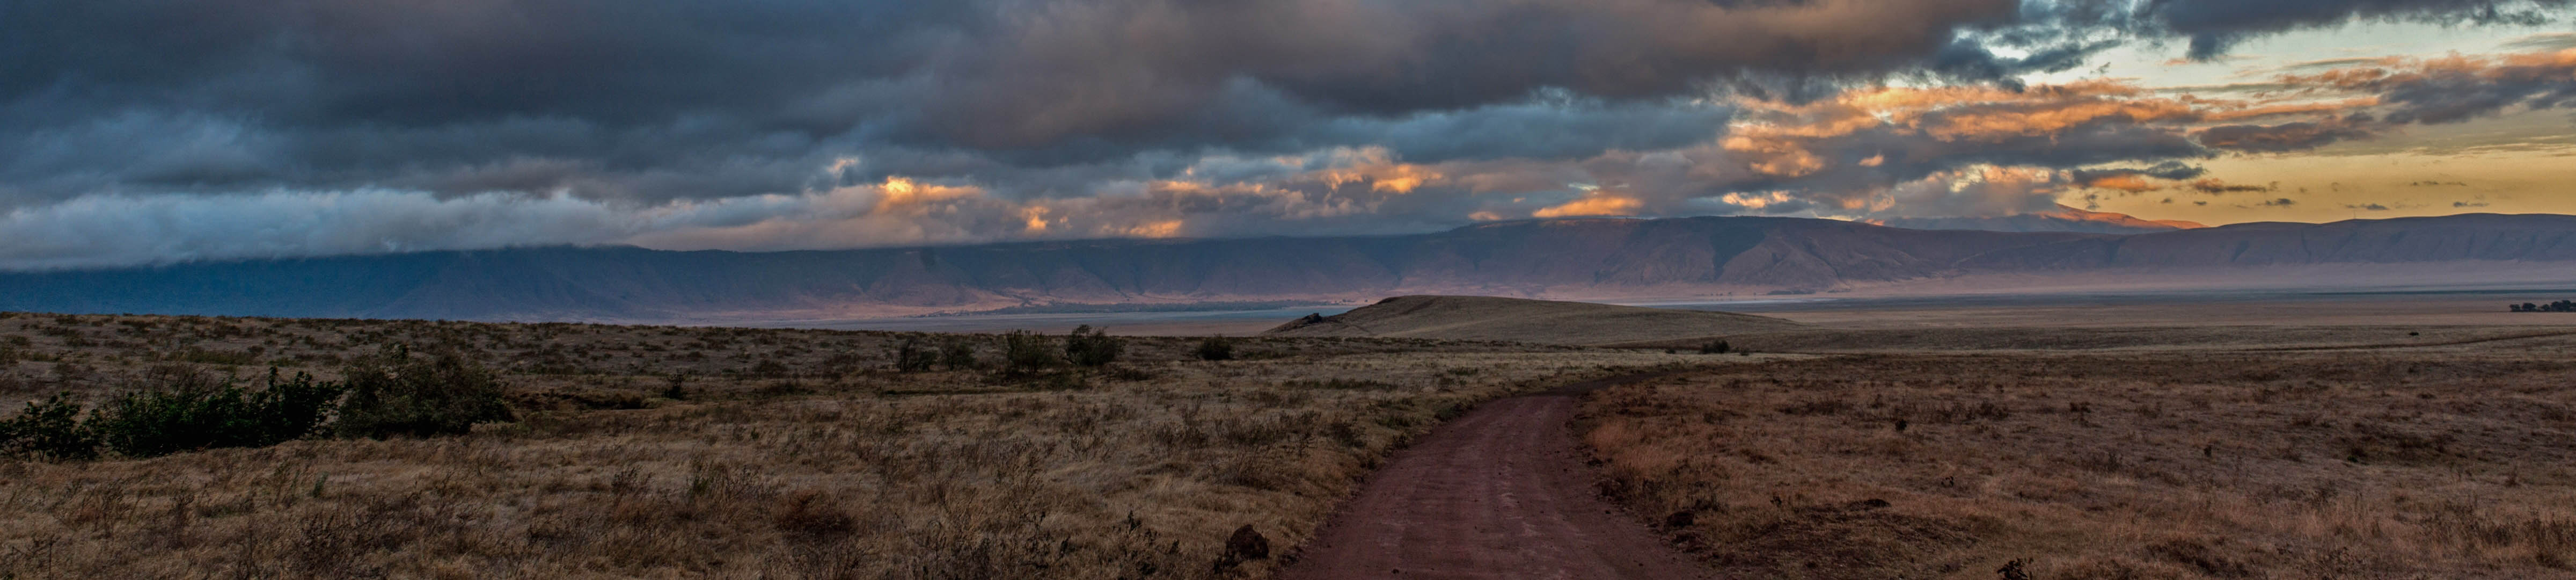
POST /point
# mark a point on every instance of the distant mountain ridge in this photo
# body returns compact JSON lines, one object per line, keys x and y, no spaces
{"x":2062,"y":219}
{"x":1523,"y":320}
{"x":1574,"y":258}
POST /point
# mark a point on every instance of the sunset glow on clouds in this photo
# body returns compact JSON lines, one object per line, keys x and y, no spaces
{"x":286,"y":129}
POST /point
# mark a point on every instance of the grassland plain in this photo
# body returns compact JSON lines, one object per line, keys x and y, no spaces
{"x":730,"y":453}
{"x":2452,"y":458}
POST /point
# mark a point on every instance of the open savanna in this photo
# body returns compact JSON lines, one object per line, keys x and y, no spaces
{"x":2167,"y":453}
{"x":712,"y":452}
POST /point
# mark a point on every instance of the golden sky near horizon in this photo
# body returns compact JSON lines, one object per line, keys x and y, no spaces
{"x":2520,"y":161}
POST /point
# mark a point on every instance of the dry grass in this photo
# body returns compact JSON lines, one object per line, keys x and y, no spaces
{"x":790,"y":454}
{"x":2403,"y":463}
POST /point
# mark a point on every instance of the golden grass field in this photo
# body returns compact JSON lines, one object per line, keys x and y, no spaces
{"x":793,"y":454}
{"x":2449,"y":461}
{"x":2185,"y":448}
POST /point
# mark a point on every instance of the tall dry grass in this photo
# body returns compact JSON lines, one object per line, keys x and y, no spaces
{"x":2289,"y":465}
{"x":786,"y":454}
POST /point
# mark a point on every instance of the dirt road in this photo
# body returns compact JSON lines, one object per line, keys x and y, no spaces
{"x":1501,"y":492}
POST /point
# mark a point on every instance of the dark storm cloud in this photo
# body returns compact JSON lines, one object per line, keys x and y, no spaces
{"x":2217,"y":187}
{"x":617,"y":99}
{"x":599,"y":121}
{"x":2299,"y":136}
{"x":2169,"y":170}
{"x":2214,"y":26}
{"x":2451,"y":95}
{"x":2543,"y":41}
{"x":628,"y":99}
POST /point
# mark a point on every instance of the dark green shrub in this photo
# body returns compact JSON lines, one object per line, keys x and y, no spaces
{"x":49,"y":428}
{"x":1024,"y":352}
{"x":911,"y":357}
{"x":1715,"y":347}
{"x":677,"y":389}
{"x":1092,"y":347}
{"x":957,"y":355}
{"x":397,"y":394}
{"x":1216,"y":348}
{"x":183,"y":409}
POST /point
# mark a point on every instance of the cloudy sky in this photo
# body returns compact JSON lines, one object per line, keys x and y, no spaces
{"x":153,"y":131}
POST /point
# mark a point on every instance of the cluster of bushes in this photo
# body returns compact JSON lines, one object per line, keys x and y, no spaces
{"x":1023,"y":352}
{"x":189,"y":410}
{"x":1092,"y":347}
{"x":914,"y":356}
{"x":177,"y":409}
{"x":2559,"y":306}
{"x":420,"y":397}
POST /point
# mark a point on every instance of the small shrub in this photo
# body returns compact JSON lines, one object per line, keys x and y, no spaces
{"x":1092,"y":347}
{"x":49,"y":428}
{"x":1716,"y":347}
{"x":1245,"y":545}
{"x":397,"y":394}
{"x":2013,"y":570}
{"x":957,"y":355}
{"x":677,"y":387}
{"x":1216,"y":348}
{"x":811,"y":514}
{"x":911,"y":357}
{"x":1024,"y":352}
{"x":1339,"y":384}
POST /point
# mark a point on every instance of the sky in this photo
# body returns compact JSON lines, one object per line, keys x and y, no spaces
{"x":136,"y":132}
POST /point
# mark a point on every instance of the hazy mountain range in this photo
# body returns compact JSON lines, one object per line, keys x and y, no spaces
{"x":2062,"y":219}
{"x":1573,"y":258}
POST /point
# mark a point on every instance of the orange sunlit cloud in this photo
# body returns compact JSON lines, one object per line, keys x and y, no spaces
{"x":1596,"y":204}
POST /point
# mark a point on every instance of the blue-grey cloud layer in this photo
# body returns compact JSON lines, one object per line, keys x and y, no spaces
{"x":645,"y":102}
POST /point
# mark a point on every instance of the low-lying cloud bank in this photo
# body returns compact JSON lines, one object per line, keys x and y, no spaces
{"x":150,"y":131}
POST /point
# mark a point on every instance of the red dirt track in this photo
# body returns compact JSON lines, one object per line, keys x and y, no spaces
{"x":1501,"y":492}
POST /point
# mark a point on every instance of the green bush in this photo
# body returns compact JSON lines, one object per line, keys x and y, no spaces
{"x":49,"y":428}
{"x":1216,"y":348}
{"x":185,"y":410}
{"x":1024,"y":352}
{"x":957,"y":355}
{"x":912,"y":357}
{"x":1715,"y":347}
{"x":397,"y":394}
{"x":1092,"y":347}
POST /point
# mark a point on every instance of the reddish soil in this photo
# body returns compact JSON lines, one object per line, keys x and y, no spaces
{"x":1502,"y":492}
